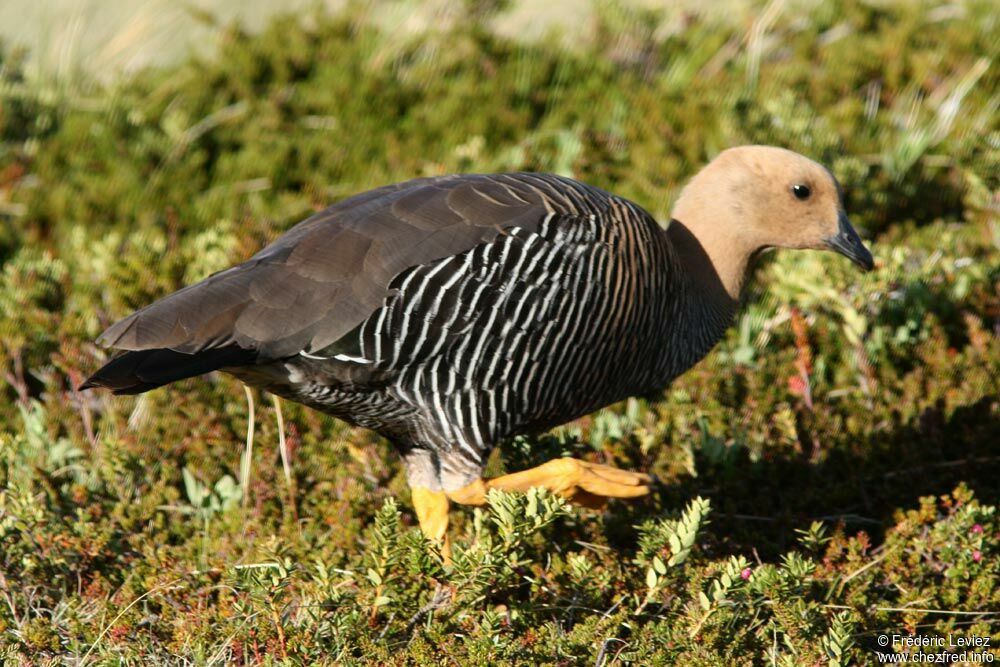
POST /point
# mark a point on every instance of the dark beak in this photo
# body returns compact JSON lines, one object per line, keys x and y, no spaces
{"x":847,"y":242}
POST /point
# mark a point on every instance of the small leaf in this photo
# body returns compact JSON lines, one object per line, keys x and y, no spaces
{"x":194,"y":489}
{"x":531,"y":510}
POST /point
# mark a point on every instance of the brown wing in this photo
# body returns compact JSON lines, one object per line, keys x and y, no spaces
{"x":323,"y":277}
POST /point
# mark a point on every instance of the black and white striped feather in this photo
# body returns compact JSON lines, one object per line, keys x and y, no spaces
{"x":447,"y":314}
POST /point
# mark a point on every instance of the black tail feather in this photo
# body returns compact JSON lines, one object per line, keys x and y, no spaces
{"x":135,"y":372}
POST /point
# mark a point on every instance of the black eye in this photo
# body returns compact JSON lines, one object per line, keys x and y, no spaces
{"x":801,"y":191}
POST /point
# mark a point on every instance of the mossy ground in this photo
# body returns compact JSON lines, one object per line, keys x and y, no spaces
{"x":845,"y":435}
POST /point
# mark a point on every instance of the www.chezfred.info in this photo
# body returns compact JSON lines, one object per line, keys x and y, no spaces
{"x":907,"y":649}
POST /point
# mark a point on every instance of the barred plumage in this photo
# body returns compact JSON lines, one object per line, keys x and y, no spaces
{"x":450,"y":313}
{"x":527,"y":331}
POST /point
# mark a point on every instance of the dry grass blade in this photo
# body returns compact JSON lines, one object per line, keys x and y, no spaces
{"x":248,"y":452}
{"x":286,"y":464}
{"x":104,"y":631}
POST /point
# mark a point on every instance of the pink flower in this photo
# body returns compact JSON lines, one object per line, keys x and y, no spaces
{"x":977,"y":555}
{"x":977,"y":529}
{"x":745,"y":574}
{"x":797,"y":385}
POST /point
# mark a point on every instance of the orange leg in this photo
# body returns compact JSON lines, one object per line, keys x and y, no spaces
{"x":432,"y":512}
{"x":581,"y":482}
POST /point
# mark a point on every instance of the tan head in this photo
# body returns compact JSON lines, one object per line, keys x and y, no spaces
{"x":755,"y":197}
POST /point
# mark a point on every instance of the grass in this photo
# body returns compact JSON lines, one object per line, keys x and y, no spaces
{"x":829,"y":471}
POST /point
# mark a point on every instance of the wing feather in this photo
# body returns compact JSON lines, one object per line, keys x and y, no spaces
{"x":322,"y":278}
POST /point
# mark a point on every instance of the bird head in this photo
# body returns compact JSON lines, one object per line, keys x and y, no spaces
{"x":761,"y":197}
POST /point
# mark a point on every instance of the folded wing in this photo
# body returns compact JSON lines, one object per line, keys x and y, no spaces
{"x":322,"y":278}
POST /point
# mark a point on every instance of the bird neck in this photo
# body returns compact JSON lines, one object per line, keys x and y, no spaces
{"x":714,"y":266}
{"x":700,"y":303}
{"x":710,"y":230}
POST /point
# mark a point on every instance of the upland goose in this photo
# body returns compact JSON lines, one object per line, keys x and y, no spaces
{"x":450,"y":313}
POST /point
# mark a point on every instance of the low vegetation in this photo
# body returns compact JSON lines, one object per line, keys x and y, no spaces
{"x":829,"y":474}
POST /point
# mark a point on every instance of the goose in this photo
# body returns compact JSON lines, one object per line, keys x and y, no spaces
{"x":451,"y":313}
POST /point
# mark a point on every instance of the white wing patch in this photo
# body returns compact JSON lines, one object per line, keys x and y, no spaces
{"x":356,"y":360}
{"x":338,"y":357}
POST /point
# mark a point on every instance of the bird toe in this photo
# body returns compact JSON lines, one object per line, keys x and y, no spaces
{"x":589,"y":500}
{"x":595,"y":483}
{"x":617,"y":475}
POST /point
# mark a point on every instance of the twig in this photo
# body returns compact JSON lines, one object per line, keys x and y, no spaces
{"x":205,"y":125}
{"x":942,"y":464}
{"x":949,"y":612}
{"x":746,"y":517}
{"x":84,"y":409}
{"x":16,"y":379}
{"x":282,"y":643}
{"x":701,"y":622}
{"x":611,"y":610}
{"x":438,"y":600}
{"x":839,"y":587}
{"x":848,"y":518}
{"x":874,"y":561}
{"x":604,"y":649}
{"x":388,"y":624}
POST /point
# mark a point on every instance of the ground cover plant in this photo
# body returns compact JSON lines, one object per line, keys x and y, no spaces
{"x":828,"y":473}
